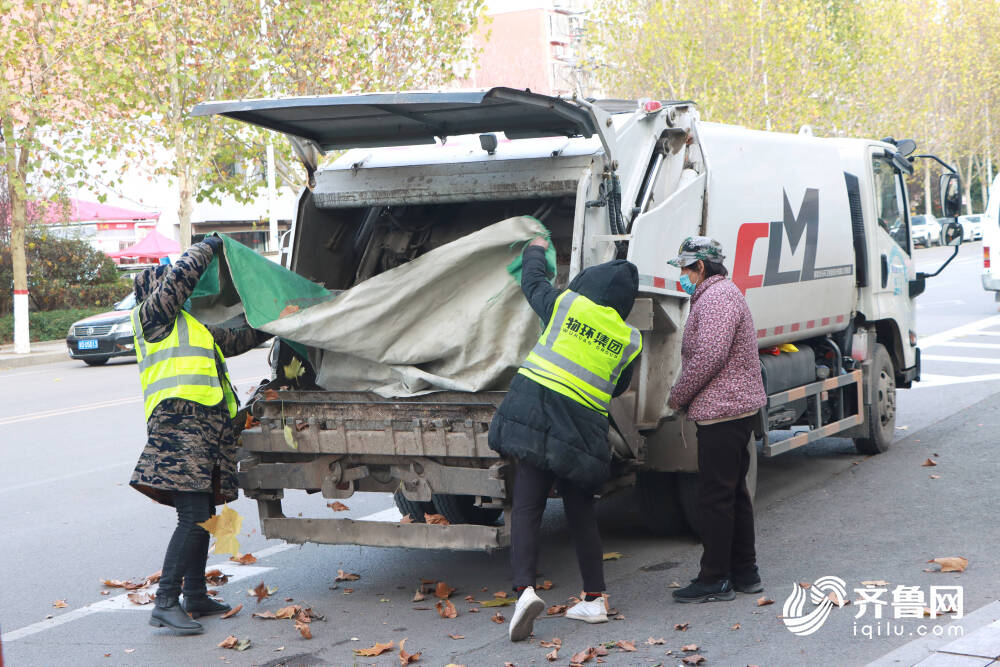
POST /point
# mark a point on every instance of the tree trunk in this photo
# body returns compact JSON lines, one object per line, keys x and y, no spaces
{"x":927,"y":188}
{"x":967,"y":186}
{"x":16,"y":190}
{"x":186,"y":207}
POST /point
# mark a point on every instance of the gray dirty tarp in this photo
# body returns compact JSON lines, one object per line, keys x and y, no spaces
{"x":452,"y":319}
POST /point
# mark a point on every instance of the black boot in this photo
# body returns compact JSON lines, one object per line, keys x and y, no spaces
{"x":169,"y":613}
{"x":202,"y":605}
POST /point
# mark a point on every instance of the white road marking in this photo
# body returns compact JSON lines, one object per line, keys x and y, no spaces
{"x":931,"y":380}
{"x":980,"y":346}
{"x":60,"y":478}
{"x":962,"y":360}
{"x":122,"y":603}
{"x":88,"y":406}
{"x":970,"y":329}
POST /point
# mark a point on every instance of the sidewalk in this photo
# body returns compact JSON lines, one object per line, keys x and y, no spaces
{"x":977,"y":646}
{"x":44,"y":352}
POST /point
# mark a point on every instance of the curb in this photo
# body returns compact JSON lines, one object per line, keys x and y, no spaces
{"x":9,"y":360}
{"x":926,"y":647}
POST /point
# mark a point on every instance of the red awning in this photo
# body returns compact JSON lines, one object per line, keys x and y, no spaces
{"x":155,"y":245}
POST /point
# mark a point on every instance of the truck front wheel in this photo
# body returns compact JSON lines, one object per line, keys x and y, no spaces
{"x":880,"y":413}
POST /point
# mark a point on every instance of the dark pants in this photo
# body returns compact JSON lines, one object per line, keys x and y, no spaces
{"x":725,"y":508}
{"x":187,"y":552}
{"x":531,"y":490}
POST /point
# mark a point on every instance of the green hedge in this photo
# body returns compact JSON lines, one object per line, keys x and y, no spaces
{"x":50,"y":325}
{"x":52,"y":296}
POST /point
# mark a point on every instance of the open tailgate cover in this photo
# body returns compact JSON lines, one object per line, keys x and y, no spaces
{"x":398,"y":119}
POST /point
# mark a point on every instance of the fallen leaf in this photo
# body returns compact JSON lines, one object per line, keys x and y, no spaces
{"x":406,"y":519}
{"x":212,"y":591}
{"x":270,"y":395}
{"x":224,"y":527}
{"x":600,"y":650}
{"x":140,"y":598}
{"x":835,"y":598}
{"x":474,"y":610}
{"x":232,"y":612}
{"x":674,"y":584}
{"x":346,"y":576}
{"x":105,"y":592}
{"x":242,"y":645}
{"x":500,"y":594}
{"x":289,"y":599}
{"x":294,"y":368}
{"x":261,"y":592}
{"x":619,"y":617}
{"x":436,"y":519}
{"x":228,"y":642}
{"x":215,"y":577}
{"x":875,"y":582}
{"x":304,"y":629}
{"x":446,"y":609}
{"x":264,"y":614}
{"x":735,"y":626}
{"x":681,"y":626}
{"x":928,"y":463}
{"x":951,"y":563}
{"x":552,"y":655}
{"x":245,"y":559}
{"x":764,"y":600}
{"x":457,"y":636}
{"x":546,"y":585}
{"x":693,"y":660}
{"x":805,"y":584}
{"x":497,"y":618}
{"x":498,"y":602}
{"x":338,"y":506}
{"x":583,"y":656}
{"x":469,"y":598}
{"x":556,"y":642}
{"x":377,"y":649}
{"x":59,"y":604}
{"x":418,"y":596}
{"x":935,"y":476}
{"x":250,"y":422}
{"x":288,"y":612}
{"x":443,"y":590}
{"x":130,"y":650}
{"x":654,"y":642}
{"x":689,"y":647}
{"x":612,"y":555}
{"x":556,"y":609}
{"x":625,"y":645}
{"x":406,"y":658}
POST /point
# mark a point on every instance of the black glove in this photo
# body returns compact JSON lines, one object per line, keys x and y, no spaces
{"x":214,"y":242}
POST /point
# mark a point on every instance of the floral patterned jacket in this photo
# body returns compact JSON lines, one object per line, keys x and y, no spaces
{"x":720,"y":373}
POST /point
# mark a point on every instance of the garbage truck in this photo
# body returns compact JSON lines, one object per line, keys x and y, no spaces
{"x":815,"y":232}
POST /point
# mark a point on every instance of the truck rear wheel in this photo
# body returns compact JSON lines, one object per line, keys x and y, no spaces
{"x":413,"y":508}
{"x":687,"y":488}
{"x":661,"y":510}
{"x":880,"y":413}
{"x":463,"y":509}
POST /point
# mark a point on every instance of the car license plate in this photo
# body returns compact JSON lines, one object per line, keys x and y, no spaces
{"x":88,"y":344}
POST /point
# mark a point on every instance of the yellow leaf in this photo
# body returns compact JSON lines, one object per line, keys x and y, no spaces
{"x":294,"y":369}
{"x":224,"y":527}
{"x":290,"y":438}
{"x":612,"y":555}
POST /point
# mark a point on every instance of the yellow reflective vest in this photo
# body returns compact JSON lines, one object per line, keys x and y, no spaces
{"x":182,"y":365}
{"x":583,"y":351}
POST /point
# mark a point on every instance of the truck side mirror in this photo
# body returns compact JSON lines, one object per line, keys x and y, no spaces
{"x":953,"y":234}
{"x":951,"y":195}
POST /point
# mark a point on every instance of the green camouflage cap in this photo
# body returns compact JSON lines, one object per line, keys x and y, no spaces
{"x":698,"y":247}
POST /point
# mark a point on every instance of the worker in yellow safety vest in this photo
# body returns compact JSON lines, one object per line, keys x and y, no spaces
{"x":189,"y":460}
{"x":554,"y":424}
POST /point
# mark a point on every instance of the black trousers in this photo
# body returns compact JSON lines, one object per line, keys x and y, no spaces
{"x":187,"y":551}
{"x":726,"y":511}
{"x":531,"y":490}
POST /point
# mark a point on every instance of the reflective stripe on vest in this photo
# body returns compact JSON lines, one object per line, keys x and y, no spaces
{"x":583,"y":351}
{"x":182,"y":365}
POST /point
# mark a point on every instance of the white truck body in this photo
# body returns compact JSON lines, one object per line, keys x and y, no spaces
{"x":815,"y":233}
{"x":991,"y":242}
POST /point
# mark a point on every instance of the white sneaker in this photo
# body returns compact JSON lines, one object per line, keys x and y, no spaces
{"x":527,"y":609}
{"x":588,"y":612}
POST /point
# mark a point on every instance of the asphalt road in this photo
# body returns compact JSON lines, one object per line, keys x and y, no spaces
{"x":70,"y":434}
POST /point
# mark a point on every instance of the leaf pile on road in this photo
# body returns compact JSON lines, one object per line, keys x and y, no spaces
{"x":136,"y":596}
{"x":214,"y":577}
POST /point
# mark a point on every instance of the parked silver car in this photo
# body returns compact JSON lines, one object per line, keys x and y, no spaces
{"x":972,"y":227}
{"x":925,"y":230}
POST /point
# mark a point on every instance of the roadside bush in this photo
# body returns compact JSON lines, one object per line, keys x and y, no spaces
{"x":50,"y":325}
{"x":61,"y":273}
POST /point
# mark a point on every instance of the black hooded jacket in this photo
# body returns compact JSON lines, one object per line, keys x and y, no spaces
{"x":545,"y":428}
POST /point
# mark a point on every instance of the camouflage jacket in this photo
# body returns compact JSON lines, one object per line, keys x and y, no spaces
{"x":189,"y":447}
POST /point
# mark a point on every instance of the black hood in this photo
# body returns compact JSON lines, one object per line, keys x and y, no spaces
{"x":612,"y":284}
{"x":146,"y":280}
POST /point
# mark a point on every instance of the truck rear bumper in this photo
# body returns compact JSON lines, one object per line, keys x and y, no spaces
{"x":465,"y":537}
{"x":991,"y":284}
